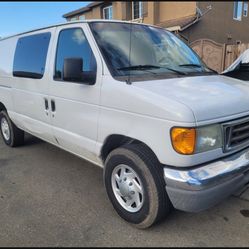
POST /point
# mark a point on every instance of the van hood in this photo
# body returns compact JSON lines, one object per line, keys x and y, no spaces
{"x":209,"y":97}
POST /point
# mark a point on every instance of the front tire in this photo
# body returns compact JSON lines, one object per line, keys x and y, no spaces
{"x":135,"y":186}
{"x":12,"y":135}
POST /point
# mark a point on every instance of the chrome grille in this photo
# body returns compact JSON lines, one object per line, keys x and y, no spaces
{"x":236,"y":134}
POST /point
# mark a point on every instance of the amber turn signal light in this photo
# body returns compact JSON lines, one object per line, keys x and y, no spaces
{"x":183,"y":140}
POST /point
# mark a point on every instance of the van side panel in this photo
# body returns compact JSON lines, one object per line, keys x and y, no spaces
{"x":30,"y":94}
{"x":7,"y":51}
{"x":24,"y":97}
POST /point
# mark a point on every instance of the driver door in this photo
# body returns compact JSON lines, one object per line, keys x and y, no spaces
{"x":75,"y":106}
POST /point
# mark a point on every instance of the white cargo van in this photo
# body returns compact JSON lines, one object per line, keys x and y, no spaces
{"x":135,"y":100}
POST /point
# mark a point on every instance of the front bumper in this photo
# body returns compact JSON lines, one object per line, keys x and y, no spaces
{"x":201,"y":187}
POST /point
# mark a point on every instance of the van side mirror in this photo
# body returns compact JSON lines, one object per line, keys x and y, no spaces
{"x":73,"y":71}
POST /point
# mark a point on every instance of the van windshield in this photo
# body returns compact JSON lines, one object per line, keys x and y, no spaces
{"x":141,"y":50}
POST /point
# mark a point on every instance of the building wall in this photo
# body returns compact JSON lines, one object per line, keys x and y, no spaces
{"x":88,"y":15}
{"x":118,"y":12}
{"x":151,"y":15}
{"x":219,"y":25}
{"x":97,"y":12}
{"x":170,"y":11}
{"x":154,"y":12}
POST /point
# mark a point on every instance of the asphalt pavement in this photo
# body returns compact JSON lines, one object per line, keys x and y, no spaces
{"x":49,"y":197}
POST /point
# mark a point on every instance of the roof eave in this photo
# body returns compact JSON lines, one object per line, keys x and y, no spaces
{"x":82,"y":10}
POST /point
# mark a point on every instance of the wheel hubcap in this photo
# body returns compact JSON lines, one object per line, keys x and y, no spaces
{"x":5,"y":129}
{"x":127,"y":188}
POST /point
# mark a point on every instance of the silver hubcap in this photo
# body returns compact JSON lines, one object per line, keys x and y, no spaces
{"x":127,"y":188}
{"x":5,"y":129}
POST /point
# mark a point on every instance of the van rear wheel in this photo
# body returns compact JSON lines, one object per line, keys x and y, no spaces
{"x":12,"y":135}
{"x":134,"y":183}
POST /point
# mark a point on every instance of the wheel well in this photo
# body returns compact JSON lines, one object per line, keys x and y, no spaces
{"x":114,"y":141}
{"x":2,"y":107}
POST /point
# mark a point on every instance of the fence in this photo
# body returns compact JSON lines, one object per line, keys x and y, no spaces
{"x":216,"y":55}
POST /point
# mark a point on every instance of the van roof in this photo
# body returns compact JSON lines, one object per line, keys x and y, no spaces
{"x":70,"y":23}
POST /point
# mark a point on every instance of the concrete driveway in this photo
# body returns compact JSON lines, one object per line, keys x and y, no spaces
{"x":49,"y":197}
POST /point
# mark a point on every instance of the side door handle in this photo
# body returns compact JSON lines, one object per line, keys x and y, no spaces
{"x":53,"y":107}
{"x":46,"y":106}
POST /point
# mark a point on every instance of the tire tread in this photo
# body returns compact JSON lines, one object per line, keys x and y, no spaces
{"x":156,"y":170}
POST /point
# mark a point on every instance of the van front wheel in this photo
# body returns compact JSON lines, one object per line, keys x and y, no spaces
{"x":134,"y":183}
{"x":12,"y":135}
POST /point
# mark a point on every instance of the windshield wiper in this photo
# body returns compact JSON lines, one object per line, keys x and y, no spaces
{"x":174,"y":70}
{"x":148,"y":67}
{"x":197,"y":65}
{"x":190,"y":65}
{"x":138,"y":67}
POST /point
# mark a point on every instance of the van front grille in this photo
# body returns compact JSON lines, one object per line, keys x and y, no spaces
{"x":236,"y":134}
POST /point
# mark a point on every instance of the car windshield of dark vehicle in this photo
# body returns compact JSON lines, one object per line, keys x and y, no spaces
{"x":145,"y":51}
{"x":241,"y":72}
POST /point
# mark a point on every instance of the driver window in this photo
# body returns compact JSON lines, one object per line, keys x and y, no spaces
{"x":72,"y":43}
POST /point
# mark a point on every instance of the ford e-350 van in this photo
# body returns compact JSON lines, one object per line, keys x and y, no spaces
{"x":135,"y":100}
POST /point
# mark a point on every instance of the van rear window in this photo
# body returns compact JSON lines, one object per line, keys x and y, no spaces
{"x":30,"y":56}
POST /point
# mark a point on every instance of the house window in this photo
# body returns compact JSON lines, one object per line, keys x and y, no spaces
{"x":237,"y":11}
{"x":137,"y":9}
{"x":245,"y":9}
{"x":107,"y":12}
{"x":82,"y":17}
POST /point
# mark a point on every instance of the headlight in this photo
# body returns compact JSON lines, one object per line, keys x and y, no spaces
{"x":208,"y":138}
{"x":189,"y":141}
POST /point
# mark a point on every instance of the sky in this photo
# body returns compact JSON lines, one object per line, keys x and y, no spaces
{"x":16,"y":17}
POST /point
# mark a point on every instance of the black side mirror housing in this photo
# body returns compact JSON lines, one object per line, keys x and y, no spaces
{"x":73,"y":71}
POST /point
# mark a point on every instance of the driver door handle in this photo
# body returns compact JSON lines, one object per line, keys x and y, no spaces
{"x":53,"y":107}
{"x":46,"y":106}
